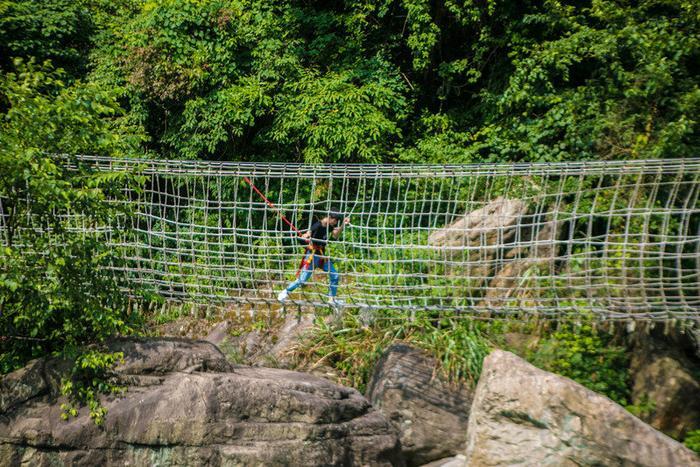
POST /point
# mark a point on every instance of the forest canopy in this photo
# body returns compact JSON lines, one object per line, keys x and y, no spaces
{"x":366,"y":81}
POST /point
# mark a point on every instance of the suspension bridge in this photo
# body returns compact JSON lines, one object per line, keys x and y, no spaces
{"x":612,"y":240}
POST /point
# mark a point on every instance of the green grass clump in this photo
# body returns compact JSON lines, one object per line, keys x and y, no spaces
{"x":353,"y":347}
{"x":692,"y":441}
{"x":580,"y":352}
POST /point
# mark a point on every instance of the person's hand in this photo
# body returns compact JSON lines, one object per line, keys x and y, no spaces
{"x":346,"y":221}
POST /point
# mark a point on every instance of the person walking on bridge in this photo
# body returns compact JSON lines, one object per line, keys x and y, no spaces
{"x":316,"y":240}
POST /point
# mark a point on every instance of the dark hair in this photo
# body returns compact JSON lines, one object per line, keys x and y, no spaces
{"x":335,"y":215}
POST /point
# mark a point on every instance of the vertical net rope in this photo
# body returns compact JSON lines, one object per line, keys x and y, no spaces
{"x":617,"y":240}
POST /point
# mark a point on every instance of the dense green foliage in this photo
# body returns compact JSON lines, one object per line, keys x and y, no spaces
{"x":58,"y":30}
{"x":588,"y":357}
{"x":396,"y":80}
{"x":63,"y":31}
{"x":90,"y":376}
{"x":692,"y":440}
{"x":57,"y":293}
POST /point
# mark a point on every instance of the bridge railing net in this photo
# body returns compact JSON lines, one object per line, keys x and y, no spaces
{"x":615,"y":239}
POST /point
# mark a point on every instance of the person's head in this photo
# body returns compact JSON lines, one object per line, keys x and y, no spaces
{"x":334,"y":218}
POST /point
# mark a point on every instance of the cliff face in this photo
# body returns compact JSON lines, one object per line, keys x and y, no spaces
{"x":187,"y":405}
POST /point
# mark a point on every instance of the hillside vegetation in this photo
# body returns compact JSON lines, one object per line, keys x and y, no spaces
{"x":391,"y":81}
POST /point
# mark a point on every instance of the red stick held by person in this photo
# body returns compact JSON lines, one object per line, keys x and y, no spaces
{"x":316,"y":240}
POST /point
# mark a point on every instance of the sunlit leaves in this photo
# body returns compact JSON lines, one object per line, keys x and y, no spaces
{"x":56,"y":289}
{"x":338,"y":117}
{"x":613,"y":85}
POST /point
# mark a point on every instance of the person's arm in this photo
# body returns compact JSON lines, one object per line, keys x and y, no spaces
{"x":337,"y":231}
{"x":304,"y":238}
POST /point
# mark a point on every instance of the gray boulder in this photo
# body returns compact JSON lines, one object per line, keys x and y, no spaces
{"x":456,"y":461}
{"x":685,"y":337}
{"x":430,"y":414}
{"x":22,"y":385}
{"x":694,"y":338}
{"x":474,"y":243}
{"x":186,"y":405}
{"x":272,"y":347}
{"x":664,"y":380}
{"x":522,"y":415}
{"x":505,"y":289}
{"x":491,"y":224}
{"x":495,"y":247}
{"x":220,"y":333}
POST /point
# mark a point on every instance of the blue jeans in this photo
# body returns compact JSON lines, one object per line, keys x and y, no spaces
{"x":308,"y":270}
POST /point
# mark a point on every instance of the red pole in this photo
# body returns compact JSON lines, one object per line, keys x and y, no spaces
{"x":273,"y":207}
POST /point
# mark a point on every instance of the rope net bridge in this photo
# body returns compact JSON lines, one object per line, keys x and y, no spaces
{"x":615,"y":240}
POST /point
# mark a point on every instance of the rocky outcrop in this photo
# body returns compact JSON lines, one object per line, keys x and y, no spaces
{"x":665,"y":384}
{"x":498,"y":245}
{"x":525,"y":416}
{"x":22,"y":385}
{"x":186,"y":405}
{"x":506,"y":288}
{"x":694,"y":339}
{"x":473,"y":243}
{"x":38,"y":377}
{"x":684,"y":337}
{"x":220,"y":333}
{"x":272,"y":346}
{"x":492,"y":224}
{"x":430,"y":414}
{"x":457,"y":461}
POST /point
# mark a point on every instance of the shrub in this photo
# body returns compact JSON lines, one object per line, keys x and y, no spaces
{"x":692,"y":440}
{"x":58,"y":290}
{"x":579,"y":352}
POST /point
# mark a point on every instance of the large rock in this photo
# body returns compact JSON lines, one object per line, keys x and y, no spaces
{"x":273,"y":346}
{"x":522,"y":415}
{"x":495,"y":250}
{"x":430,"y":414}
{"x":507,"y":288}
{"x":186,"y":405}
{"x":664,"y":382}
{"x":36,"y":378}
{"x":492,"y":224}
{"x":684,"y":337}
{"x":22,"y":385}
{"x":694,"y":339}
{"x":457,"y":461}
{"x":220,"y":333}
{"x":287,"y":337}
{"x":473,"y":244}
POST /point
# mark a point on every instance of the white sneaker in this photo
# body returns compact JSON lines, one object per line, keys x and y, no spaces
{"x":332,"y":301}
{"x":282,"y":296}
